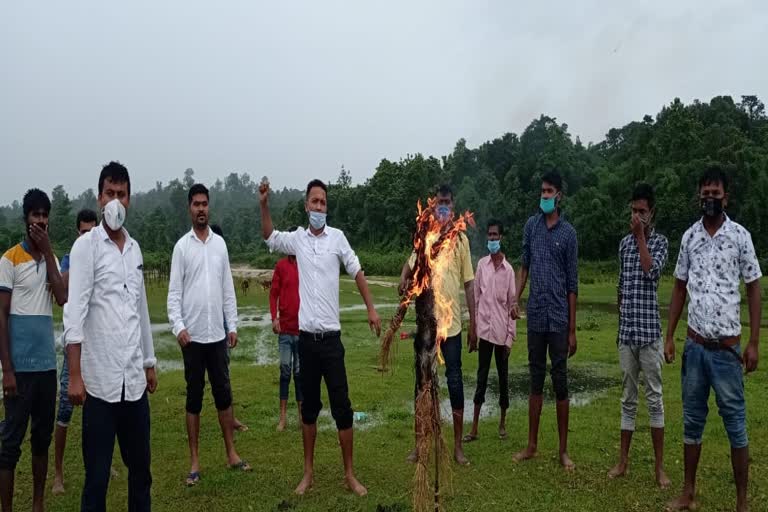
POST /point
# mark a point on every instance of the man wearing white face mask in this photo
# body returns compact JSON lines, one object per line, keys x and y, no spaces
{"x":109,"y":348}
{"x":319,"y":250}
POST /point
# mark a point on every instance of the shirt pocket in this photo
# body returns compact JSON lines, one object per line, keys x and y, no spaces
{"x":134,"y":282}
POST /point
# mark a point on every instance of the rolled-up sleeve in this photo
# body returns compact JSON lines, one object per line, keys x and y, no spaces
{"x":659,"y":253}
{"x":348,"y":257}
{"x":572,"y":276}
{"x":230,"y":299}
{"x":80,"y":290}
{"x":282,"y":241}
{"x":176,"y":290}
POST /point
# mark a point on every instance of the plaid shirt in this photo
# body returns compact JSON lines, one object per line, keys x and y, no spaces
{"x":550,"y":255}
{"x":639,"y":320}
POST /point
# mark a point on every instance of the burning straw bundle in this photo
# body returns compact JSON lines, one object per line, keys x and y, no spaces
{"x":433,"y":244}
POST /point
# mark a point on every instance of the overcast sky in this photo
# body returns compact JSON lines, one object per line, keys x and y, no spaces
{"x":294,"y":90}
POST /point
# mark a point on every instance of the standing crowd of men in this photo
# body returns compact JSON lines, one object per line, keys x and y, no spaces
{"x":109,"y":365}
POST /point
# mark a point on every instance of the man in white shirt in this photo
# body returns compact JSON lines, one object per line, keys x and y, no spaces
{"x":201,"y":297}
{"x":319,"y":250}
{"x":110,"y":350}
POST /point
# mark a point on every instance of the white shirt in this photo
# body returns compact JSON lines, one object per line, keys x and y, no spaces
{"x":713,"y":267}
{"x":201,"y":294}
{"x":318,"y":258}
{"x":107,"y":314}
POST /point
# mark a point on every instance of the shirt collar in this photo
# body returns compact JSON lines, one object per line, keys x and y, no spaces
{"x":504,"y":262}
{"x":323,"y":234}
{"x":25,"y":247}
{"x":193,"y":235}
{"x":103,"y":235}
{"x":724,"y":227}
{"x":543,"y":219}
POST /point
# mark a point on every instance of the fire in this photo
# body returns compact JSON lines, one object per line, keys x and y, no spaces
{"x":434,"y":243}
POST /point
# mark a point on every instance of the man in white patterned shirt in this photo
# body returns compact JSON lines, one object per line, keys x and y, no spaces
{"x":715,"y":255}
{"x":109,"y":339}
{"x":642,"y":256}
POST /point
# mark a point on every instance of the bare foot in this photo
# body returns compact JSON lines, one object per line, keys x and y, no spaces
{"x":662,"y":480}
{"x":412,"y":457}
{"x":618,"y":470}
{"x":502,"y":433}
{"x":683,"y":502}
{"x":356,"y":487}
{"x":458,"y":456}
{"x":526,"y":454}
{"x":281,"y":424}
{"x":58,"y":487}
{"x":566,"y":462}
{"x":305,"y":484}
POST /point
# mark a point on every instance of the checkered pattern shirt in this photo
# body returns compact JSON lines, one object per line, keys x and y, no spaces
{"x":550,"y":255}
{"x":639,"y":320}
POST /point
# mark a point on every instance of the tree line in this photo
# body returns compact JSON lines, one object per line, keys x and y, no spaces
{"x":499,"y":179}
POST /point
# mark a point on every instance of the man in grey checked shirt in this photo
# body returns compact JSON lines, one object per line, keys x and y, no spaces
{"x":642,"y":256}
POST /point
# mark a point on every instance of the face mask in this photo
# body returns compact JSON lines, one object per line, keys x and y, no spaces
{"x":712,"y":206}
{"x":443,"y":213}
{"x":317,"y":219}
{"x":114,"y":214}
{"x":494,"y":246}
{"x":547,"y":205}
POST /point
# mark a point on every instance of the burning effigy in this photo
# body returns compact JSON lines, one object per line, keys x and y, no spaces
{"x":433,"y":245}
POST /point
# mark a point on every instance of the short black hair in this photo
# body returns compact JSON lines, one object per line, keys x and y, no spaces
{"x":35,"y":199}
{"x":217,"y":229}
{"x":714,"y":174}
{"x":85,"y":215}
{"x":117,"y":173}
{"x":317,"y":183}
{"x":497,"y":223}
{"x":554,"y":179}
{"x":445,"y":190}
{"x":644,"y":191}
{"x":197,"y":188}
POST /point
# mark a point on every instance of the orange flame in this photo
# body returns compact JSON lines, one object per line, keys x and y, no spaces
{"x":434,"y":243}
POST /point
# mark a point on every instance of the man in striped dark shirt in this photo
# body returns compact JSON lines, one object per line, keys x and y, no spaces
{"x":550,"y":252}
{"x":642,"y":255}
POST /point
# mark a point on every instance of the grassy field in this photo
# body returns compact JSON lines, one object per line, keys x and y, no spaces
{"x":492,"y":482}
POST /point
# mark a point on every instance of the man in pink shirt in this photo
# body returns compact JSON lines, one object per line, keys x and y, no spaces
{"x":495,"y":294}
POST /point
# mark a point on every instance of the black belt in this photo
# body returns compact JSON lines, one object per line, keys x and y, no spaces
{"x":320,"y":336}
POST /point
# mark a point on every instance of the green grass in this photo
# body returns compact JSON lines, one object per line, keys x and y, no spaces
{"x":492,"y":482}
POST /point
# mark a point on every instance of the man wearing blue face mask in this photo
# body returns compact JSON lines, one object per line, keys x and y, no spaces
{"x":319,"y":251}
{"x":550,"y":252}
{"x":494,"y":297}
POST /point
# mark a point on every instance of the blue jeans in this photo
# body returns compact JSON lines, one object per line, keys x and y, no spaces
{"x":288,"y":346}
{"x":719,"y":370}
{"x":64,"y":416}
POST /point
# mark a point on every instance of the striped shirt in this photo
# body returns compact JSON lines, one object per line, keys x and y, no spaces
{"x":639,"y":320}
{"x":550,"y":255}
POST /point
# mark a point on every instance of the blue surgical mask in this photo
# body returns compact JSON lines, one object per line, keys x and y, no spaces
{"x":494,"y":246}
{"x":317,"y":219}
{"x":443,"y":213}
{"x":547,"y":205}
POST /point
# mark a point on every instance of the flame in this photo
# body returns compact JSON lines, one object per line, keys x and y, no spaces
{"x":434,"y":243}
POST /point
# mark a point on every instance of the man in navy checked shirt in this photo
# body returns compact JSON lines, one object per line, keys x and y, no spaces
{"x":550,"y":253}
{"x":642,"y":256}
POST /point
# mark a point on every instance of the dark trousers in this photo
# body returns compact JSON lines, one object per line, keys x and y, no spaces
{"x":451,"y":350}
{"x":557,"y":345}
{"x":323,"y":359}
{"x":36,"y":400}
{"x":213,"y":358}
{"x":486,"y":349}
{"x":129,"y":421}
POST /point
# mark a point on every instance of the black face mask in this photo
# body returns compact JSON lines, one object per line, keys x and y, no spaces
{"x":712,"y":206}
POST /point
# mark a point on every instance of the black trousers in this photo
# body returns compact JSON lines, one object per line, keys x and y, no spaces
{"x":486,"y":349}
{"x":213,"y":358}
{"x":557,"y":345}
{"x":323,"y":359}
{"x":36,"y":400}
{"x":129,"y":421}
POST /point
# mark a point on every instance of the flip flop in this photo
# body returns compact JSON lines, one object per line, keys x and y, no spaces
{"x":503,"y":435}
{"x":241,"y":466}
{"x":469,"y":438}
{"x":242,"y":428}
{"x":193,"y":478}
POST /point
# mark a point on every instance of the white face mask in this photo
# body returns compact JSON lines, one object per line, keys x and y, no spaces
{"x":114,"y":214}
{"x":317,"y":219}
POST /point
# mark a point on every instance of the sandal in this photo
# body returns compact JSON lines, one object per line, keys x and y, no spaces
{"x":241,"y":428}
{"x":469,"y":438}
{"x":241,"y":466}
{"x":193,"y":478}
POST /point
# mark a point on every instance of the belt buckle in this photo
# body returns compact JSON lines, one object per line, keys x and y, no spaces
{"x":711,"y":344}
{"x":317,"y":336}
